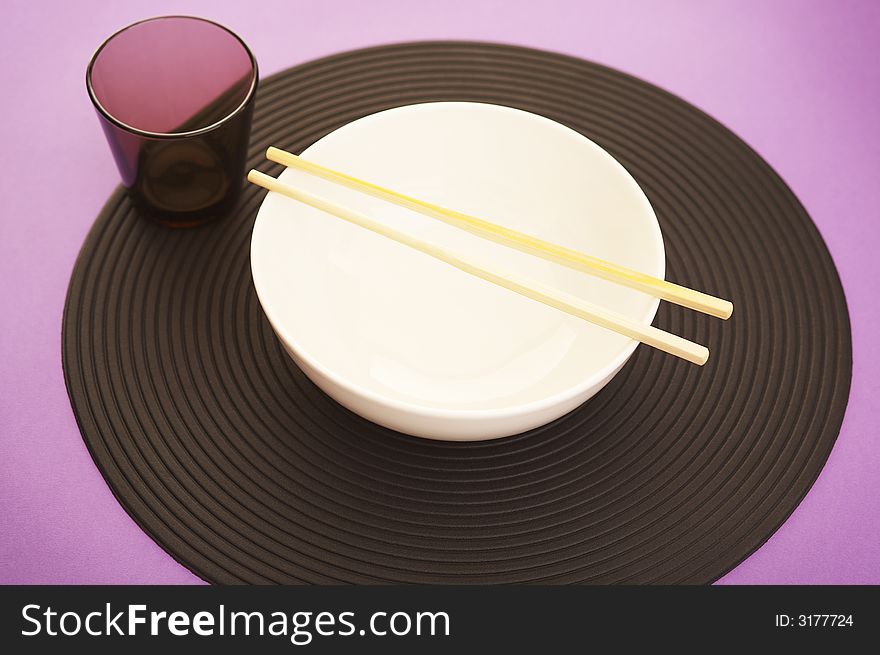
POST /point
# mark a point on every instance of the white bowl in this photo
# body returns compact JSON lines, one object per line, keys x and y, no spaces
{"x":416,"y":345}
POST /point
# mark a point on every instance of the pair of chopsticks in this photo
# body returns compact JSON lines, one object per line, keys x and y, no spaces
{"x":665,"y":341}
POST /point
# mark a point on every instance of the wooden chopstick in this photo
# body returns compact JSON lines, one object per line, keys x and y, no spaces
{"x":665,"y":341}
{"x":656,"y":287}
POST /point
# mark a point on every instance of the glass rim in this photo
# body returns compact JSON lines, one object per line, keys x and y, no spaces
{"x":171,"y":135}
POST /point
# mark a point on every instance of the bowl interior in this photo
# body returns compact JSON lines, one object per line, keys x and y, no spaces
{"x":399,"y":327}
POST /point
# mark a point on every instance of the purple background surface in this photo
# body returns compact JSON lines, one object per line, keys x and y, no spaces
{"x":797,"y":80}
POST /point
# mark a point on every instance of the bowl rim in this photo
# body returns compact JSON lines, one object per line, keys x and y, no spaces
{"x":599,"y":377}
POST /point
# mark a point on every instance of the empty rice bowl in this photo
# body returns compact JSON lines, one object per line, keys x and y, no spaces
{"x":416,"y":345}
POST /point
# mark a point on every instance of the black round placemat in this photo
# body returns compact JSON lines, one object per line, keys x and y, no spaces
{"x":228,"y":456}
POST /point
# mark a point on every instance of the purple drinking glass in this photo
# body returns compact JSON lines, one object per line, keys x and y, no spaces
{"x":175,"y":97}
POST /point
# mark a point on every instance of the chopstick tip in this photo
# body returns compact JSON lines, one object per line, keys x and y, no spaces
{"x":275,"y":154}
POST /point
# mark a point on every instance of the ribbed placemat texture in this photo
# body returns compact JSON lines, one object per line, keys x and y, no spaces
{"x":236,"y":464}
